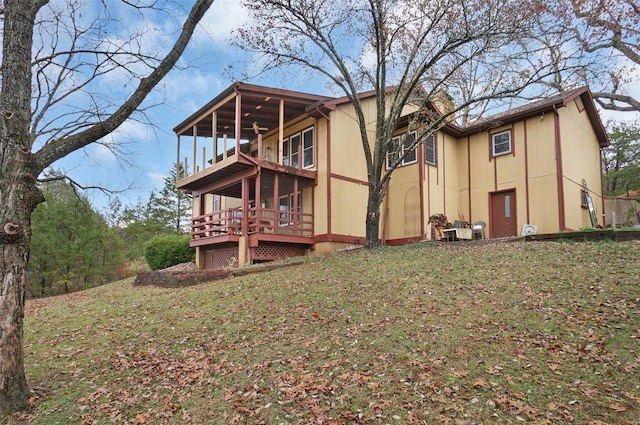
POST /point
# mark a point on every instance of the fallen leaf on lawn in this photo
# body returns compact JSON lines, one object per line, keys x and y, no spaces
{"x":142,"y":418}
{"x":617,"y":407}
{"x":479,"y":383}
{"x":632,"y":396}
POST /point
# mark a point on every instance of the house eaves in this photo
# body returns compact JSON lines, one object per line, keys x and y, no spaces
{"x":262,"y":102}
{"x":534,"y":109}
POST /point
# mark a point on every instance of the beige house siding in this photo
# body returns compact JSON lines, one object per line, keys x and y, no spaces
{"x":580,"y":160}
{"x":466,"y":175}
{"x":542,"y":192}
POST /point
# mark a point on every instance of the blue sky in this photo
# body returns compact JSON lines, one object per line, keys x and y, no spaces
{"x":150,"y":151}
{"x":147,"y":153}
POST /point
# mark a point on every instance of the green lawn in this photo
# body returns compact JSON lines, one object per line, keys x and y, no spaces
{"x":430,"y":333}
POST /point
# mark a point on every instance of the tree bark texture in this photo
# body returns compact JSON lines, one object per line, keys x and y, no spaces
{"x":18,"y":197}
{"x":372,"y":221}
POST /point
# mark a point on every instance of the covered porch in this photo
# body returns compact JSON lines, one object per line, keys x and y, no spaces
{"x":250,"y":166}
{"x":238,"y":121}
{"x":268,"y":212}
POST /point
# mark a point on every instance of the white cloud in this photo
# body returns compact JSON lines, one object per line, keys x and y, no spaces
{"x":133,"y":131}
{"x":157,"y":179}
{"x":223,"y":17}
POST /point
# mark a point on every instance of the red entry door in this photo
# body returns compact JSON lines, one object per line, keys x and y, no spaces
{"x":504,"y":221}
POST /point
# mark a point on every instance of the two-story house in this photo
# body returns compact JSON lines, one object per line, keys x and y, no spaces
{"x":276,"y":173}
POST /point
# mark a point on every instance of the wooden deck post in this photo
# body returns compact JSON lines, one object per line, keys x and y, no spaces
{"x":295,"y":215}
{"x":276,"y":200}
{"x":257,"y":195}
{"x":214,"y":135}
{"x":244,"y":221}
{"x":178,"y":177}
{"x":238,"y":120}
{"x":280,"y":132}
{"x":195,"y":146}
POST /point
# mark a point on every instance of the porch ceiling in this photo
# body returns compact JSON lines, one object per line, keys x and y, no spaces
{"x":260,"y":105}
{"x":223,"y":172}
{"x":225,"y":178}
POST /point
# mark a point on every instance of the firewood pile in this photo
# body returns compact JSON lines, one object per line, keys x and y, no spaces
{"x":438,"y":223}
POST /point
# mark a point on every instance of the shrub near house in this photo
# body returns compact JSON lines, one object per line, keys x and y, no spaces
{"x":168,"y":250}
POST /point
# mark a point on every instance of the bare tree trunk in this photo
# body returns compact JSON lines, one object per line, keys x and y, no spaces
{"x":372,"y":220}
{"x":15,"y":236}
{"x":18,"y":197}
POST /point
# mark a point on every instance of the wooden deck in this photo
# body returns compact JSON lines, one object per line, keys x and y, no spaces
{"x":260,"y":224}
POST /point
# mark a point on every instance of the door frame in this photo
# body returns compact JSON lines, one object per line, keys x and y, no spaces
{"x":514,"y":210}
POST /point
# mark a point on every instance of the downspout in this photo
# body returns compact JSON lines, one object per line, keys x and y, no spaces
{"x":559,"y":171}
{"x":421,"y":180}
{"x":469,"y":178}
{"x":526,"y":170}
{"x":602,"y":191}
{"x":329,"y":234}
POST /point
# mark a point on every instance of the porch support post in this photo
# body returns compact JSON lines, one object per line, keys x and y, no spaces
{"x":260,"y":146}
{"x":276,"y":199}
{"x":295,"y":215}
{"x":238,"y":121}
{"x":243,"y":251}
{"x":224,"y":152}
{"x":258,"y":201}
{"x":178,"y":177}
{"x":280,"y":131}
{"x":245,"y":206}
{"x":195,"y":147}
{"x":214,"y":135}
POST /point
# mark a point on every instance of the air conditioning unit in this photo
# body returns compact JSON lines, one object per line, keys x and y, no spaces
{"x":529,"y":229}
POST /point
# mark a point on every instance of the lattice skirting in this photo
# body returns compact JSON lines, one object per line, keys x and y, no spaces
{"x":221,"y":258}
{"x":274,"y":251}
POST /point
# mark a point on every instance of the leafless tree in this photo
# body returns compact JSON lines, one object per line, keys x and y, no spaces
{"x":409,"y":52}
{"x":603,"y":37}
{"x":59,"y":63}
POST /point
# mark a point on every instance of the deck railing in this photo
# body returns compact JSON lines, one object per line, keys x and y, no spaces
{"x":263,"y":220}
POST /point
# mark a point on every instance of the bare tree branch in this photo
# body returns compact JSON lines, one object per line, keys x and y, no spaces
{"x":61,"y":147}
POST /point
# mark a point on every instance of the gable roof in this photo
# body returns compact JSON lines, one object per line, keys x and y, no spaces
{"x":533,"y":109}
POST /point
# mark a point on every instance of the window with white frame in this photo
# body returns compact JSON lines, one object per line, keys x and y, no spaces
{"x":430,"y":150}
{"x":401,"y":145}
{"x":308,"y":148}
{"x":302,"y":143}
{"x":501,"y":143}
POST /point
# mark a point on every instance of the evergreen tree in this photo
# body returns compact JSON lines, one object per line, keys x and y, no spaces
{"x":134,"y":225}
{"x":172,"y":206}
{"x":621,"y":160}
{"x":73,"y":248}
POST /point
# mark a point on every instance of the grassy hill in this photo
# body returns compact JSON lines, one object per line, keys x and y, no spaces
{"x":421,"y":334}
